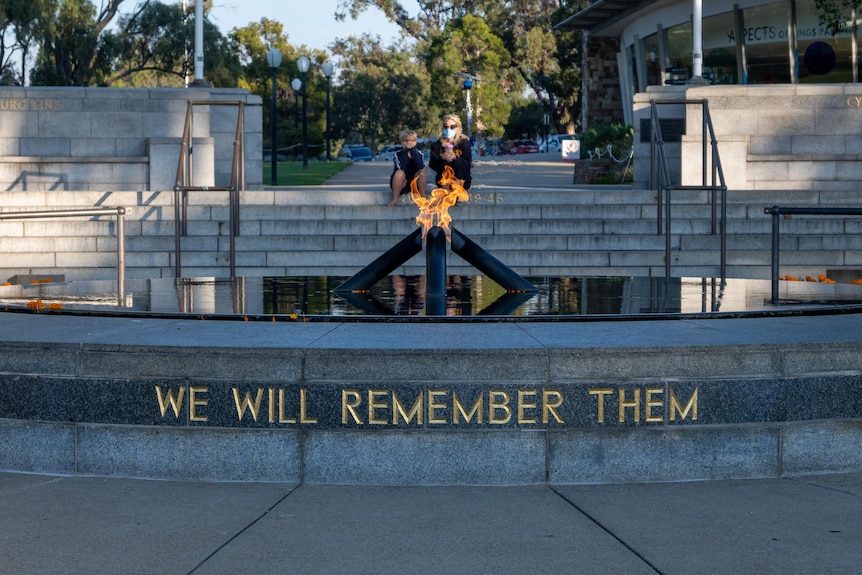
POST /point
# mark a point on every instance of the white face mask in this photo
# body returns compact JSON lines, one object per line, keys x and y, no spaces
{"x":449,"y":133}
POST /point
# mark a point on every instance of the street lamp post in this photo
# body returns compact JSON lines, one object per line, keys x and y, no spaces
{"x":304,"y":64}
{"x":273,"y":58}
{"x":547,"y":120}
{"x":296,"y":84}
{"x":468,"y":85}
{"x":327,"y":71}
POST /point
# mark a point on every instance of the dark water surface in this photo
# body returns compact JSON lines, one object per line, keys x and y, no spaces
{"x":404,"y":296}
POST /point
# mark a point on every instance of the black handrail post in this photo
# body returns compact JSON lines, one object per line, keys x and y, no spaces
{"x":774,"y":210}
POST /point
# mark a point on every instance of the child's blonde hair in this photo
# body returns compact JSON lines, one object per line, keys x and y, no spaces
{"x":406,"y":135}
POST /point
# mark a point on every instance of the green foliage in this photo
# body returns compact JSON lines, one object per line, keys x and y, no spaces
{"x":525,"y":121}
{"x":835,"y":15}
{"x":598,"y":137}
{"x":469,"y":46}
{"x":538,"y":56}
{"x":380,"y":92}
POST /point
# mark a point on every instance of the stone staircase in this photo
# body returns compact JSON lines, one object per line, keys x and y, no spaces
{"x":324,"y":230}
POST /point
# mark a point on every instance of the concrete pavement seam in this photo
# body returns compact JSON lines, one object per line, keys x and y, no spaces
{"x":243,"y":530}
{"x":606,"y":530}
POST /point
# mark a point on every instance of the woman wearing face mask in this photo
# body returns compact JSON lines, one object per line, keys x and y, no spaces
{"x":452,"y":149}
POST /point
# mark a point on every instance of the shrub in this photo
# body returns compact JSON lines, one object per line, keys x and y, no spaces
{"x":620,"y":138}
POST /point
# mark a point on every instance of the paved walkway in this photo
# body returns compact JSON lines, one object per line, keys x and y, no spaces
{"x":544,"y":171}
{"x":94,"y":526}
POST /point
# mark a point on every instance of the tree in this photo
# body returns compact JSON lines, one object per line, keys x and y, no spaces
{"x":146,"y":47}
{"x":156,"y":42}
{"x":546,"y":59}
{"x":250,"y":45}
{"x":74,"y":48}
{"x":380,"y":92}
{"x":835,"y":15}
{"x":469,"y":47}
{"x":20,"y":21}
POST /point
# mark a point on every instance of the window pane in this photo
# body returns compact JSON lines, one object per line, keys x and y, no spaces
{"x":767,"y":52}
{"x":719,"y":49}
{"x":653,"y":64}
{"x":823,"y":58}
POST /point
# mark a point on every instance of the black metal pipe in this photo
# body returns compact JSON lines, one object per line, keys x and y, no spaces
{"x":435,"y":271}
{"x":435,"y":261}
{"x":507,"y":303}
{"x":775,"y":266}
{"x":489,"y":265}
{"x":366,"y":302}
{"x":385,"y":264}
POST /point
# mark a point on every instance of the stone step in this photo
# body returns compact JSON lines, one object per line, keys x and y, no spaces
{"x":326,"y":230}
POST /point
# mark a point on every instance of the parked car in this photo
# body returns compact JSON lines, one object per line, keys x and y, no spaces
{"x":387,"y":153}
{"x":355,"y":154}
{"x":524,"y":147}
{"x":555,"y":142}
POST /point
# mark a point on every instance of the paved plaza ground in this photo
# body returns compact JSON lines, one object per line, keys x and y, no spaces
{"x":91,"y":526}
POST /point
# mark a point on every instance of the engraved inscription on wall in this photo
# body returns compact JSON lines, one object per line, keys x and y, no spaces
{"x":29,"y":105}
{"x":369,"y":407}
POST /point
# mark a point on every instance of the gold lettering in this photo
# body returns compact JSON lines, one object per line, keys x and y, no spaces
{"x":398,"y":410}
{"x":169,"y":399}
{"x":374,"y":404}
{"x":434,"y":405}
{"x":634,"y":404}
{"x":194,"y":402}
{"x":523,"y":404}
{"x":550,"y":406}
{"x":303,"y":407}
{"x":600,"y":393}
{"x":350,"y":405}
{"x":281,"y":402}
{"x":271,"y":405}
{"x":458,"y":408}
{"x":691,"y":406}
{"x":854,"y":101}
{"x":498,"y":400}
{"x":246,"y":403}
{"x":649,"y":404}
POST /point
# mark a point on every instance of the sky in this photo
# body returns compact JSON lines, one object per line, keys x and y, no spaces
{"x":306,"y":22}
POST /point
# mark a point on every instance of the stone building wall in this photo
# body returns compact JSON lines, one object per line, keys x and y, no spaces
{"x":604,"y":99}
{"x":54,"y":138}
{"x":769,"y":137}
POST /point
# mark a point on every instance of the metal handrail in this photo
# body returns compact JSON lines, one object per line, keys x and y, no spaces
{"x":119,"y":212}
{"x":776,"y":211}
{"x":664,"y":189}
{"x":185,"y":176}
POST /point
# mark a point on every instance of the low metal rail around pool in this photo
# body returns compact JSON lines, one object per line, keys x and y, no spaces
{"x":776,"y":211}
{"x":118,"y":211}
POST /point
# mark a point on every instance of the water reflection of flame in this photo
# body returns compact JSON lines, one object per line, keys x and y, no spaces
{"x":439,"y":203}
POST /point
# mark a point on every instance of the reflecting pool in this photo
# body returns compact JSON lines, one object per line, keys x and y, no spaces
{"x":313,"y":297}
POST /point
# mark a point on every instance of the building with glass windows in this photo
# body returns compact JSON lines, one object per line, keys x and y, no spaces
{"x":744,"y":43}
{"x":783,"y":81}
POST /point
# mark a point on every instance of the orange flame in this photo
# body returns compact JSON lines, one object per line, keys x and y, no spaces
{"x":438,"y":205}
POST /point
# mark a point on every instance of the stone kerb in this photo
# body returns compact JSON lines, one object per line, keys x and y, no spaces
{"x":100,"y":138}
{"x":375,"y":411}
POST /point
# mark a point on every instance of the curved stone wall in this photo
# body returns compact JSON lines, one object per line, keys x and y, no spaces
{"x":425,"y":404}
